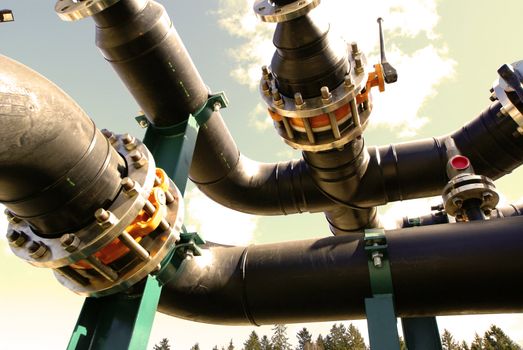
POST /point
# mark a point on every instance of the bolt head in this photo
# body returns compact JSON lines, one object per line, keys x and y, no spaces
{"x":458,"y":202}
{"x":487,"y":196}
{"x":12,"y":218}
{"x":136,"y":155}
{"x":101,"y":215}
{"x":105,"y":218}
{"x":354,"y":48}
{"x":37,"y":250}
{"x":70,"y":242}
{"x":127,"y":184}
{"x":143,"y":123}
{"x":16,"y":238}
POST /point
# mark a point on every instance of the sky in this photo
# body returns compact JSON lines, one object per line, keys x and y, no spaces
{"x":446,"y":53}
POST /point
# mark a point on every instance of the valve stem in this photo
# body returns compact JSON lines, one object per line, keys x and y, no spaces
{"x":389,"y":73}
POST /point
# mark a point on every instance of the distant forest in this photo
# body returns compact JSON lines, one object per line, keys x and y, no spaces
{"x":349,"y":337}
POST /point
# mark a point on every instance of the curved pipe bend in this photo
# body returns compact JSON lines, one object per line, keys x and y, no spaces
{"x":436,"y":270}
{"x":132,"y":37}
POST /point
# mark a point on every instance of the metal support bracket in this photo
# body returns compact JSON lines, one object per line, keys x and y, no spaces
{"x":381,"y":316}
{"x":187,"y":247}
{"x":124,"y":320}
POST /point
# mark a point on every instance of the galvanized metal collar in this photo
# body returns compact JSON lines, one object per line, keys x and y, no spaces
{"x":510,"y":82}
{"x":267,"y":11}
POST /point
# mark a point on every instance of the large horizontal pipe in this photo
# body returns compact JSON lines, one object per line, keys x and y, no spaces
{"x":445,"y":269}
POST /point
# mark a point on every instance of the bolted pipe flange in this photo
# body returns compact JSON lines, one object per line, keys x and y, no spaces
{"x":464,"y":187}
{"x":301,"y":121}
{"x":73,"y":10}
{"x":78,"y":259}
{"x":267,"y":11}
{"x":508,"y":89}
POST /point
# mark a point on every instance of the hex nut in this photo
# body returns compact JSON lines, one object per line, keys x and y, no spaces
{"x":70,"y":242}
{"x":37,"y":250}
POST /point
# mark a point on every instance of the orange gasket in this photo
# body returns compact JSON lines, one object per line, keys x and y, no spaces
{"x":141,"y":226}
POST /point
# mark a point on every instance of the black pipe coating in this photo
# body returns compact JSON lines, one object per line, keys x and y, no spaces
{"x":56,"y":168}
{"x":445,"y":269}
{"x":145,"y":50}
{"x":308,"y":56}
{"x":395,"y":172}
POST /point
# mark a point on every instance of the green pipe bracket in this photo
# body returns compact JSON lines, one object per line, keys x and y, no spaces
{"x":124,"y":320}
{"x":381,"y":316}
{"x":187,"y":247}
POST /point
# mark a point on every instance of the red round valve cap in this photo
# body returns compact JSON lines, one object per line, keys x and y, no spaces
{"x":460,"y":162}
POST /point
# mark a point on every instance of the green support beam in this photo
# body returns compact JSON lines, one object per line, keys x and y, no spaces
{"x":421,"y":333}
{"x":381,"y":316}
{"x":124,"y":320}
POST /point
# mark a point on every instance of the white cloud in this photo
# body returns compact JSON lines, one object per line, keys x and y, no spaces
{"x":260,"y":119}
{"x":419,"y":71}
{"x":217,"y":223}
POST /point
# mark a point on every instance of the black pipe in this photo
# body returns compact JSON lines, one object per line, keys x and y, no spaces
{"x":308,"y":56}
{"x":228,"y":177}
{"x":145,"y":50}
{"x":445,"y":269}
{"x":56,"y":168}
{"x":417,"y":169}
{"x":133,"y":38}
{"x":491,"y":142}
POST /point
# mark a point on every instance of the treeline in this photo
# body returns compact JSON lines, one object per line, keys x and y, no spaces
{"x":341,"y":337}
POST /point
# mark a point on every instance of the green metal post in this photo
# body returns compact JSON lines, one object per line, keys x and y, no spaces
{"x":421,"y":333}
{"x":124,"y":320}
{"x":381,"y":317}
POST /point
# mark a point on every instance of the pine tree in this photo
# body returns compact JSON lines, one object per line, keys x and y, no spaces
{"x":355,"y":339}
{"x":195,"y":347}
{"x":163,"y":345}
{"x":265,"y":344}
{"x":215,"y":347}
{"x":304,"y":340}
{"x":495,"y":339}
{"x":477,"y":343}
{"x":231,"y":346}
{"x":337,"y":338}
{"x":448,"y":342}
{"x":253,"y":342}
{"x":320,"y":343}
{"x":279,"y":340}
{"x":464,"y":346}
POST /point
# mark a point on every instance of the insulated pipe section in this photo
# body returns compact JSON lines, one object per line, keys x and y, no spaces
{"x":56,"y":168}
{"x":417,"y":169}
{"x":229,"y":178}
{"x":134,"y":34}
{"x":436,"y":270}
{"x":138,"y":39}
{"x":307,"y":56}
